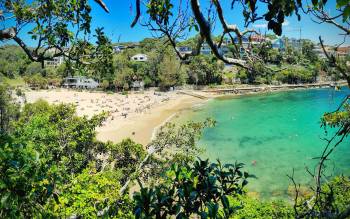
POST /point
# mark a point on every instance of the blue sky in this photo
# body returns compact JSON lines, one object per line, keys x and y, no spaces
{"x":117,"y":23}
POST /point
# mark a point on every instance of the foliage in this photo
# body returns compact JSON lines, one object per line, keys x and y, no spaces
{"x":296,"y":76}
{"x":125,"y":156}
{"x":52,"y":165}
{"x":308,"y":51}
{"x":337,"y":119}
{"x":204,"y":70}
{"x":123,"y":77}
{"x":9,"y":110}
{"x":268,"y":54}
{"x":13,"y":61}
{"x":91,"y":194}
{"x":334,"y":199}
{"x":36,"y":81}
{"x":171,"y":73}
{"x":255,"y":208}
{"x":258,"y":74}
{"x":59,"y":135}
{"x":26,"y":181}
{"x":103,"y":58}
{"x":53,"y":24}
{"x":177,"y":144}
{"x":198,"y":190}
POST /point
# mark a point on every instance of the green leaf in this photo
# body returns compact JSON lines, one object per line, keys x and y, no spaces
{"x":225,"y":202}
{"x":341,"y":3}
{"x":346,"y":13}
{"x":4,"y":198}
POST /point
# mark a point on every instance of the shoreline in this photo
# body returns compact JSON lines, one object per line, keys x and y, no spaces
{"x":136,"y":116}
{"x":143,"y":129}
{"x":251,"y":89}
{"x":142,"y":126}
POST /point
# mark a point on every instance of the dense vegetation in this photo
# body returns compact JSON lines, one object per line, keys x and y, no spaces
{"x":51,"y":164}
{"x":118,"y":72}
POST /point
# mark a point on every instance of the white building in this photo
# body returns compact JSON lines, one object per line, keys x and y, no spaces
{"x":80,"y":82}
{"x":137,"y":85}
{"x":119,"y":48}
{"x":139,"y":58}
{"x":205,"y":49}
{"x":55,"y":62}
{"x":184,"y":50}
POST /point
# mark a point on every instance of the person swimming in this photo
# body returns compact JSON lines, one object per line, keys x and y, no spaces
{"x":253,"y":162}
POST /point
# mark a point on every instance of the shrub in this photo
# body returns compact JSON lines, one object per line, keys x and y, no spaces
{"x":36,"y":81}
{"x":104,"y":84}
{"x":296,"y":75}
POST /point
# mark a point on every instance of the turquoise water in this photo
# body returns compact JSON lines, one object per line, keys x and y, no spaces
{"x":276,"y":131}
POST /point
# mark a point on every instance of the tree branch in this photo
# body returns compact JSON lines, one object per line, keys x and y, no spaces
{"x":102,"y":4}
{"x":138,"y":13}
{"x":7,"y":34}
{"x":206,"y":32}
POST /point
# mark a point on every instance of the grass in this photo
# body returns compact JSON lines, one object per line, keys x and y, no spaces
{"x":14,"y":82}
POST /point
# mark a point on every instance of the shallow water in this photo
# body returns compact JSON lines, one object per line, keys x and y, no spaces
{"x":277,"y":131}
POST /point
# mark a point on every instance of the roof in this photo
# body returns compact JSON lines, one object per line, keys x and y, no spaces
{"x":139,"y":55}
{"x":344,"y":49}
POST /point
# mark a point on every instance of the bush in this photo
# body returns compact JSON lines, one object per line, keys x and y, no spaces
{"x":19,"y":92}
{"x":296,"y":75}
{"x":104,"y":84}
{"x":56,"y":82}
{"x":254,"y":208}
{"x":36,"y":81}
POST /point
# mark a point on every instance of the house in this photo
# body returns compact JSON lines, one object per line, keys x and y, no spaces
{"x":119,"y":48}
{"x":55,"y":62}
{"x":137,"y":85}
{"x":342,"y":52}
{"x":205,"y":49}
{"x":278,"y":44}
{"x":80,"y":82}
{"x":139,"y":58}
{"x":257,"y":39}
{"x":184,"y":50}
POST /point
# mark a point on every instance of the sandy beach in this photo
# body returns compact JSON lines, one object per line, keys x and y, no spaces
{"x":138,"y":114}
{"x":134,"y":116}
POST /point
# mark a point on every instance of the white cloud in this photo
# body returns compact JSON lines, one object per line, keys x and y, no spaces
{"x":263,"y":25}
{"x":285,"y":23}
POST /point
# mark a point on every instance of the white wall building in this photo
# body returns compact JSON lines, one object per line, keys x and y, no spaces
{"x":139,"y":58}
{"x":55,"y":62}
{"x":80,"y":82}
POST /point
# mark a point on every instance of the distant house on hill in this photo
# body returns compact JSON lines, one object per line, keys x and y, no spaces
{"x":80,"y":82}
{"x":343,"y":51}
{"x":139,"y":58}
{"x":184,"y":50}
{"x":55,"y":62}
{"x":205,"y":49}
{"x":119,"y":48}
{"x":278,"y":44}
